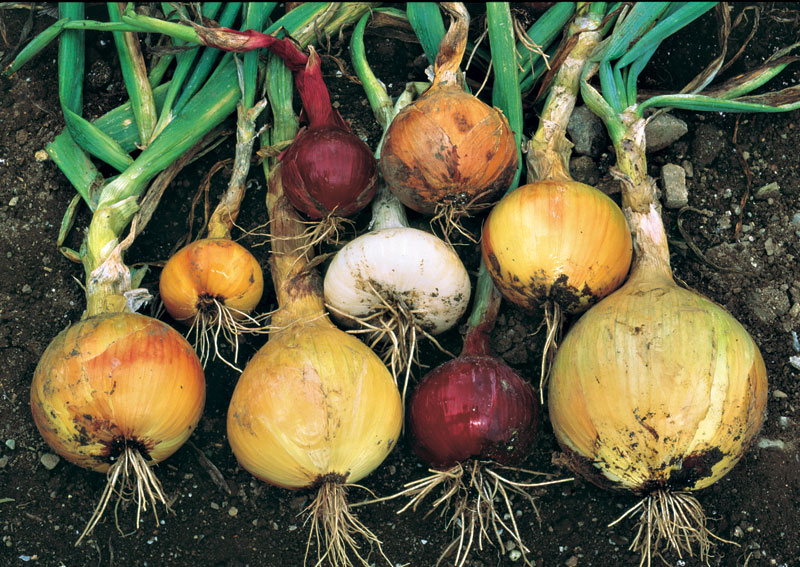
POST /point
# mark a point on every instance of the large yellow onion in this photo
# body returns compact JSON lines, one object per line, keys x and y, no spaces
{"x":314,"y":404}
{"x":448,"y":149}
{"x":556,"y":240}
{"x":656,"y":387}
{"x":118,"y":390}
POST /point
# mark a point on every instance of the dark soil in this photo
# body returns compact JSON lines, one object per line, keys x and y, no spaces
{"x":751,"y":270}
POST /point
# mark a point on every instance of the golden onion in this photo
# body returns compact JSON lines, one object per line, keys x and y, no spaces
{"x":118,"y":393}
{"x":656,"y":390}
{"x":448,"y":150}
{"x":556,"y":240}
{"x":212,"y":283}
{"x":315,"y":407}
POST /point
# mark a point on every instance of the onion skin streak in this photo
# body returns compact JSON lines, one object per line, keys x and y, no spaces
{"x":314,"y":403}
{"x":404,"y":264}
{"x":210,"y":268}
{"x":559,"y":240}
{"x":675,"y":384}
{"x":117,"y":377}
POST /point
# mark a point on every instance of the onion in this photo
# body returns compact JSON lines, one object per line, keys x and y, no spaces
{"x":470,"y":419}
{"x":118,"y":393}
{"x":556,"y":244}
{"x":396,"y":282}
{"x":315,"y":408}
{"x":327,"y":169}
{"x":656,"y":390}
{"x":448,"y":153}
{"x":214,"y":283}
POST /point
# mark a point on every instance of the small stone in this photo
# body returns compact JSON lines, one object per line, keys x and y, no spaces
{"x":514,"y":555}
{"x":49,"y":460}
{"x":232,"y":511}
{"x":662,"y":131}
{"x":767,"y":191}
{"x":572,"y":561}
{"x":4,"y":461}
{"x":676,"y":195}
{"x":214,"y":506}
{"x":769,"y":303}
{"x":587,"y":132}
{"x":11,"y":444}
{"x":779,"y":395}
{"x":13,"y":201}
{"x":765,"y":443}
{"x":689,"y":169}
{"x":709,"y":141}
{"x":769,"y":246}
{"x":26,"y":289}
{"x":737,"y":532}
{"x":41,"y":155}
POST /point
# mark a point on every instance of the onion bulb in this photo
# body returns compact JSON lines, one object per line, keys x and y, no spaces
{"x":559,"y":241}
{"x":472,"y":419}
{"x":656,"y":390}
{"x":315,"y":408}
{"x":212,"y":284}
{"x":556,"y":244}
{"x":118,"y":393}
{"x":327,"y":169}
{"x":448,"y":153}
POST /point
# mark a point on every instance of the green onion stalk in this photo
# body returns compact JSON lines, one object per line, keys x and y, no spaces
{"x":116,"y":203}
{"x":656,"y":390}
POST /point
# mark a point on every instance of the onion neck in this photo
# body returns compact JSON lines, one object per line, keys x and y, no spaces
{"x":314,"y":94}
{"x":387,"y":210}
{"x":484,"y":314}
{"x":642,"y":210}
{"x":549,"y":150}
{"x":298,"y":286}
{"x":452,"y":46}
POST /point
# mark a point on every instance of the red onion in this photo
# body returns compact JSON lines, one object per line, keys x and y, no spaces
{"x":474,"y":406}
{"x":327,"y":169}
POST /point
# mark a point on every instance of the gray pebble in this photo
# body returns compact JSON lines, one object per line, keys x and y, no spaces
{"x":662,"y":131}
{"x":676,"y":194}
{"x":49,"y":460}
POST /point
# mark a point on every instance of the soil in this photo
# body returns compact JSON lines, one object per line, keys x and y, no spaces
{"x":750,"y":269}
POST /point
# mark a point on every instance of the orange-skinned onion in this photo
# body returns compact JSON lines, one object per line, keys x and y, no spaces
{"x":448,"y":151}
{"x":118,"y":390}
{"x":556,"y":240}
{"x":212,"y":283}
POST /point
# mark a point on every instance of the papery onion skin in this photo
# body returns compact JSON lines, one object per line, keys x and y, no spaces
{"x":114,"y":379}
{"x":313,"y":404}
{"x":448,"y":147}
{"x":210,"y":268}
{"x":474,"y":406}
{"x":558,"y":240}
{"x":404,"y":264}
{"x":328,"y":170}
{"x":656,"y":387}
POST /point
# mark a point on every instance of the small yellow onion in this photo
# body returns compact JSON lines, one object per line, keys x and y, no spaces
{"x":118,"y":393}
{"x":556,"y":240}
{"x":212,"y":283}
{"x":448,"y":150}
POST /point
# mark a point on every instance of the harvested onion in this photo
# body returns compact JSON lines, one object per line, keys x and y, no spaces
{"x":315,"y":407}
{"x":214,"y":283}
{"x":448,"y":153}
{"x":556,"y":244}
{"x":118,"y":393}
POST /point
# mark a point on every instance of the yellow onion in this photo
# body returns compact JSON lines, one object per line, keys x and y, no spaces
{"x":556,"y":240}
{"x":448,"y":151}
{"x":212,"y":283}
{"x":656,"y":390}
{"x":118,"y":393}
{"x":315,"y":407}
